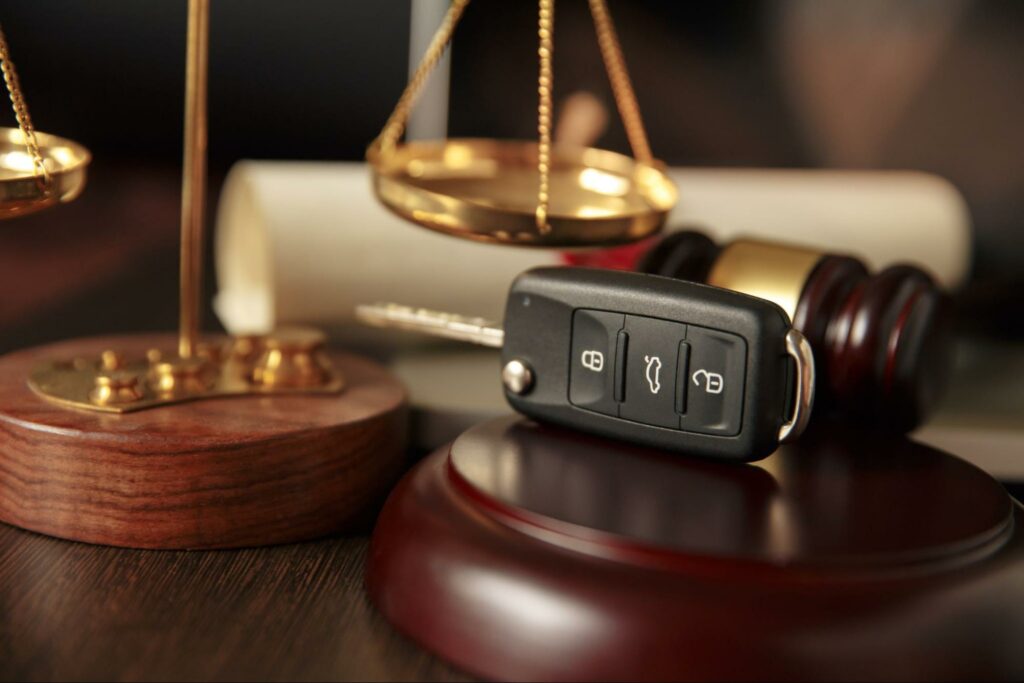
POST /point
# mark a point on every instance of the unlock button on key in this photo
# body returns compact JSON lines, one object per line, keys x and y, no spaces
{"x":714,"y":389}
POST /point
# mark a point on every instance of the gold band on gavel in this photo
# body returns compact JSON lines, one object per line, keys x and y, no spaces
{"x":770,"y":271}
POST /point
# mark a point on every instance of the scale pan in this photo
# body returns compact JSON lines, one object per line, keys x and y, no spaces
{"x":21,"y":191}
{"x":486,"y":190}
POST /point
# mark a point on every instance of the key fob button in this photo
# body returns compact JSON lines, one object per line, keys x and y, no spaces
{"x":650,"y":392}
{"x":592,"y":365}
{"x":714,"y":394}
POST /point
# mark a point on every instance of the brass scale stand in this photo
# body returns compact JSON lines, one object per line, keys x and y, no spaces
{"x":507,"y":192}
{"x":287,"y":361}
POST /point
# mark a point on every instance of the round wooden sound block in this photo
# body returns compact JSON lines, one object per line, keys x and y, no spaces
{"x":531,"y":552}
{"x":216,"y":473}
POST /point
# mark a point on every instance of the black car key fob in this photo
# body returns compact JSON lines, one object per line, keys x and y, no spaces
{"x":652,"y":360}
{"x":658,"y":361}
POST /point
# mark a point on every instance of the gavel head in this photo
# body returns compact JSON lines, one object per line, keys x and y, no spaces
{"x":881,"y":341}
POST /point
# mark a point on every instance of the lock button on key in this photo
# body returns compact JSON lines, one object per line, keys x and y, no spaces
{"x":592,"y":369}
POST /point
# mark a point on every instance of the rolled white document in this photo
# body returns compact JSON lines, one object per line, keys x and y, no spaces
{"x":305,"y":242}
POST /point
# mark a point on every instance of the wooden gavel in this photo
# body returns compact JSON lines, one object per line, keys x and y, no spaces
{"x":881,"y":340}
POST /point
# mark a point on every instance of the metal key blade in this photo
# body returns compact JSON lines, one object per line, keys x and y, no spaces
{"x":436,"y":323}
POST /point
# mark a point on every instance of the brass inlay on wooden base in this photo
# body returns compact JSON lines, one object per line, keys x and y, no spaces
{"x":291,"y":360}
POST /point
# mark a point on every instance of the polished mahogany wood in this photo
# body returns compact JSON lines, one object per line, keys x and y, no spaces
{"x":881,"y":341}
{"x":531,"y":552}
{"x":207,"y":474}
{"x":885,"y":347}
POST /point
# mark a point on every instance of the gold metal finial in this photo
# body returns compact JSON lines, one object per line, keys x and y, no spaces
{"x":181,"y":377}
{"x":111,"y":360}
{"x":294,"y":359}
{"x":116,"y":388}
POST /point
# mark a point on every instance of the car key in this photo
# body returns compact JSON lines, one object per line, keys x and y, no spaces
{"x":643,"y":358}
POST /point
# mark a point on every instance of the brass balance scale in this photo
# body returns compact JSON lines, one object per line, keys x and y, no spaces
{"x":306,"y":411}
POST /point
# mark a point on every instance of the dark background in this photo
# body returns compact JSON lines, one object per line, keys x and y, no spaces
{"x":315,"y":79}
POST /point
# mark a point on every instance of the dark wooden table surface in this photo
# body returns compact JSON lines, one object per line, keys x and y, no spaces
{"x":70,"y":611}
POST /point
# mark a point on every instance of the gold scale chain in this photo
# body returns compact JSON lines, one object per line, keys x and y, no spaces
{"x":622,"y":86}
{"x":615,"y":65}
{"x":395,"y":125}
{"x":21,"y":112}
{"x":545,"y":32}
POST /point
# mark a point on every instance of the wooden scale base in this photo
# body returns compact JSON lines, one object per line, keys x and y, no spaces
{"x":218,"y":473}
{"x":530,"y":552}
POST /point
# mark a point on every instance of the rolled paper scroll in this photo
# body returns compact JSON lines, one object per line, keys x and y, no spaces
{"x":305,"y":242}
